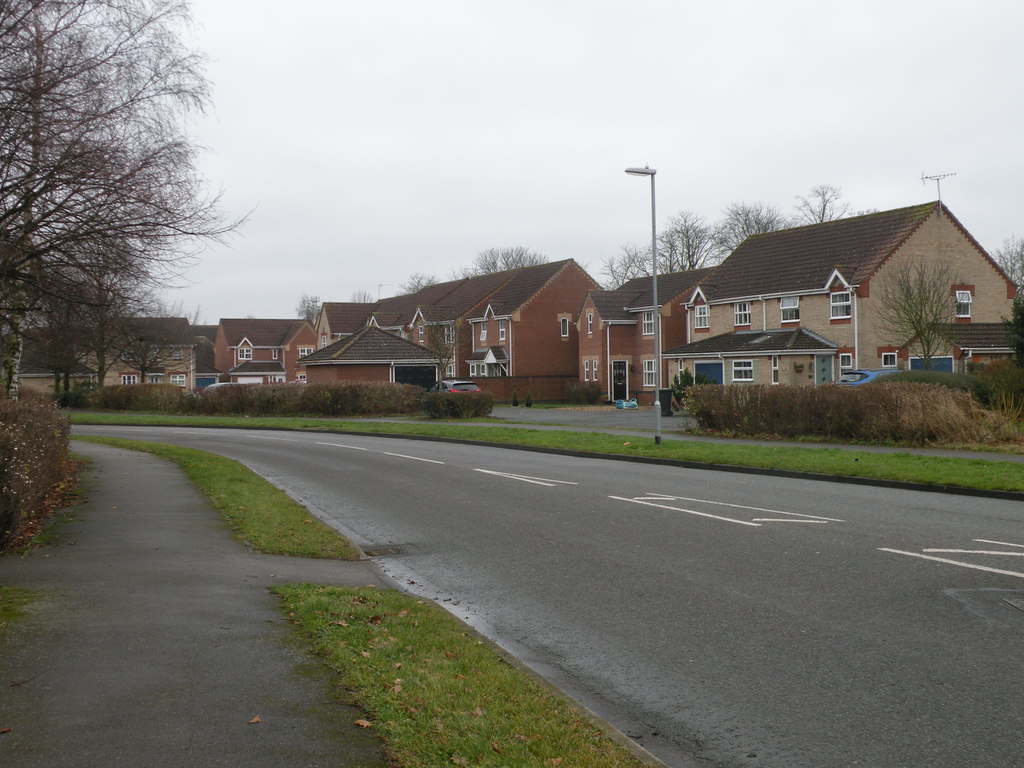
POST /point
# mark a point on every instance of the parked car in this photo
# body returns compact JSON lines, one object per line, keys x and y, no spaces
{"x":856,"y":376}
{"x":454,"y":385}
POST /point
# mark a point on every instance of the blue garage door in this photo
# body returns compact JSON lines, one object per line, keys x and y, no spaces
{"x":938,"y":364}
{"x":713,"y":371}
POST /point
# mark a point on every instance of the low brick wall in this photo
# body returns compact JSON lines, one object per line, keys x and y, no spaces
{"x":540,"y":388}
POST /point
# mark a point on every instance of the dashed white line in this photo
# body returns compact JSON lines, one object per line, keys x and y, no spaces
{"x":414,"y":458}
{"x":688,"y":511}
{"x":953,"y":562}
{"x":1000,"y":543}
{"x":787,"y":520}
{"x":341,"y":445}
{"x":976,"y":552}
{"x":666,"y":497}
{"x":527,"y":478}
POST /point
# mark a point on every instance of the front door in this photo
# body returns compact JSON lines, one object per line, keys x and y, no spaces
{"x":822,"y":369}
{"x":620,"y":388}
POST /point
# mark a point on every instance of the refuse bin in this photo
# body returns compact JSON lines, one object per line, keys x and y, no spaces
{"x":665,"y":398}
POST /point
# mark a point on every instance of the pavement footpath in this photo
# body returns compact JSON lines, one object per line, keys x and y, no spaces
{"x":155,"y":641}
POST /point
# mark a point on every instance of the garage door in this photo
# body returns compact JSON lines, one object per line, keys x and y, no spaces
{"x":938,"y":364}
{"x":420,"y":375}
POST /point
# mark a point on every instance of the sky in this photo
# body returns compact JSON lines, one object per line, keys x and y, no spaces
{"x":367,"y":141}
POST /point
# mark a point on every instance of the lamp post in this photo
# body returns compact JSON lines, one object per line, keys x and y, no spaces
{"x":646,"y":171}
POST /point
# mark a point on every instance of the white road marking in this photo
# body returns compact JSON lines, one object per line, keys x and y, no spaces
{"x":786,"y":520}
{"x":279,"y":439}
{"x":527,"y":478}
{"x":341,"y":445}
{"x":953,"y":562}
{"x":687,"y":511}
{"x":1000,"y":543}
{"x":976,"y":552}
{"x":666,"y":497}
{"x":414,"y":458}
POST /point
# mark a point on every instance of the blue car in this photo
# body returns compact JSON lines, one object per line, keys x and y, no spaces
{"x":856,"y":376}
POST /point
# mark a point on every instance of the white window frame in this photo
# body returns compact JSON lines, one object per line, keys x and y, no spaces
{"x":177,"y":354}
{"x":303,"y":351}
{"x":702,"y":316}
{"x":964,"y":299}
{"x":422,"y":333}
{"x":127,"y":379}
{"x":586,"y":370}
{"x":449,"y":371}
{"x":178,"y":379}
{"x":741,"y":310}
{"x":244,"y":353}
{"x":483,"y":333}
{"x":502,"y":332}
{"x":449,"y":335}
{"x":590,"y":323}
{"x":789,"y":308}
{"x":277,"y":378}
{"x":840,"y":309}
{"x":650,"y":377}
{"x":845,"y":361}
{"x":647,"y":329}
{"x":742,"y":370}
{"x":775,"y":369}
{"x":274,"y":354}
{"x":887,"y":356}
{"x":564,"y":324}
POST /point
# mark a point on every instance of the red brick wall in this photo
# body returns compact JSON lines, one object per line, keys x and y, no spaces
{"x":540,"y":388}
{"x":325,"y":374}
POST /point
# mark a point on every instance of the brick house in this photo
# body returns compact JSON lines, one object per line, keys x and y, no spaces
{"x":158,"y":350}
{"x":372,"y":354}
{"x":262,"y":351}
{"x":825,"y":283}
{"x":616,"y":331}
{"x":336,"y":320}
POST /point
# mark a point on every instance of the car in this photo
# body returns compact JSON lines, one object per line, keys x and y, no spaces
{"x":857,"y":376}
{"x":454,"y":385}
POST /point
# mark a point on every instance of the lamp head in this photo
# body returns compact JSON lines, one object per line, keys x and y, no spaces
{"x":645,"y":171}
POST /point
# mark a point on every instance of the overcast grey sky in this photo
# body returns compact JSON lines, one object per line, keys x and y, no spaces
{"x":375,"y":139}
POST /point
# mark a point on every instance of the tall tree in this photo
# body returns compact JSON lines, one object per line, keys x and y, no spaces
{"x":362,"y":296}
{"x":917,"y":306}
{"x":308,"y":308}
{"x":823,"y":203}
{"x":501,"y":259}
{"x":1015,"y":330}
{"x":95,"y":158}
{"x":686,"y":241}
{"x":1010,"y":257}
{"x":416,"y":282}
{"x":742,"y":220}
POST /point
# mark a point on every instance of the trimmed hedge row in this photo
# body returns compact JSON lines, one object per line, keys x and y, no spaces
{"x":33,"y":460}
{"x":882,"y":413}
{"x":464,"y":405}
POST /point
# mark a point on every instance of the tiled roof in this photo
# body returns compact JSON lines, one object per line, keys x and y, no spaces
{"x":500,"y":354}
{"x":206,"y":331}
{"x":978,"y":335}
{"x":670,"y":286}
{"x":521,"y":285}
{"x":258,"y":366}
{"x":260,"y":332}
{"x":370,"y":345}
{"x":172,"y":330}
{"x":772,"y":341}
{"x":802,"y":258}
{"x":347,"y":317}
{"x":611,"y":305}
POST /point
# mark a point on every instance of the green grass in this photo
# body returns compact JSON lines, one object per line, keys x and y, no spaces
{"x":904,"y":467}
{"x":260,"y":513}
{"x":435,"y":693}
{"x":13,"y":602}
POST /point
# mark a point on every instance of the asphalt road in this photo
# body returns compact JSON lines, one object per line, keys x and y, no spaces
{"x":719,"y":619}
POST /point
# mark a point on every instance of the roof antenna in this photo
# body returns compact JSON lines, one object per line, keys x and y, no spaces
{"x":938,"y":184}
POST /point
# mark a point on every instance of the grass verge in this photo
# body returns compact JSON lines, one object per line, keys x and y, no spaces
{"x":12,"y":604}
{"x":260,"y":513}
{"x":980,"y":474}
{"x":435,"y":693}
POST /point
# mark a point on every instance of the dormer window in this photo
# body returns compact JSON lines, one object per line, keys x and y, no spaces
{"x":841,"y":305}
{"x":483,"y":332}
{"x":963,"y":303}
{"x":701,"y":316}
{"x":245,"y":353}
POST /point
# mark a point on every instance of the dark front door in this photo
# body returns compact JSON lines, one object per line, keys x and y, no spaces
{"x":620,"y":389}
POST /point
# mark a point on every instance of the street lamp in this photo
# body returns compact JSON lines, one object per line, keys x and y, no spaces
{"x":646,"y":171}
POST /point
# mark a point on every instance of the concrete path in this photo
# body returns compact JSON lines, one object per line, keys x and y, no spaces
{"x":156,"y":641}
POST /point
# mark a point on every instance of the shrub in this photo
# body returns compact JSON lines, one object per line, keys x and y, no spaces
{"x":137,"y":397}
{"x":681,"y":382}
{"x":465,"y":405}
{"x":586,"y":393}
{"x":880,"y":413}
{"x":961,"y":381}
{"x":1005,"y":382}
{"x":33,"y":459}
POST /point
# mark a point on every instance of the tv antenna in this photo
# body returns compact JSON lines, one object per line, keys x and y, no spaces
{"x":938,"y":182}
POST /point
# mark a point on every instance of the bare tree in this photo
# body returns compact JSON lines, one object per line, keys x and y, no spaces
{"x":308,"y":308}
{"x":917,"y":305}
{"x":443,"y":339}
{"x":687,"y":241}
{"x":501,"y":259}
{"x":416,"y":282}
{"x":742,"y":220}
{"x":823,"y":203}
{"x":1010,"y":256}
{"x":95,"y":159}
{"x":362,"y":296}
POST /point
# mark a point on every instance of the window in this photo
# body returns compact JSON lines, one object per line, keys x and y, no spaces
{"x":649,"y":377}
{"x":277,"y":379}
{"x":178,"y":379}
{"x":963,"y":303}
{"x":422,"y":333}
{"x":245,"y":353}
{"x":845,"y":361}
{"x":742,"y":370}
{"x":775,"y":369}
{"x":501,"y":330}
{"x":449,"y":335}
{"x":323,"y":340}
{"x":129,"y":378}
{"x":790,"y":309}
{"x":176,"y":353}
{"x":841,"y":306}
{"x":888,"y":359}
{"x":154,"y":378}
{"x":303,"y":351}
{"x":648,"y":324}
{"x":590,"y":322}
{"x":450,"y":371}
{"x":483,"y":332}
{"x":586,"y":370}
{"x":565,"y":327}
{"x":701,"y":316}
{"x":273,"y":354}
{"x":301,"y":377}
{"x":741,"y":313}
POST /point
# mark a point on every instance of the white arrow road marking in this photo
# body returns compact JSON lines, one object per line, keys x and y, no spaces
{"x":527,"y":478}
{"x":816,"y":518}
{"x":414,"y":458}
{"x":953,"y":562}
{"x":687,"y":511}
